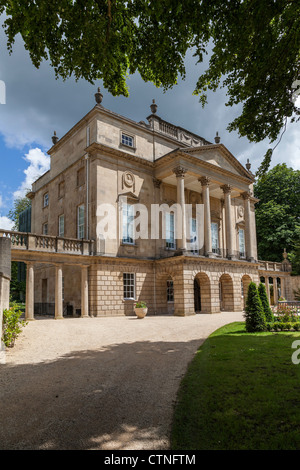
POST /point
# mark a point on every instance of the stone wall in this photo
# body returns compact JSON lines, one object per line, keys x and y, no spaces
{"x":5,"y":275}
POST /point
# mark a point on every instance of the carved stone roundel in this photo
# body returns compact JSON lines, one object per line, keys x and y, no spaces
{"x":241,"y":211}
{"x":128,"y":179}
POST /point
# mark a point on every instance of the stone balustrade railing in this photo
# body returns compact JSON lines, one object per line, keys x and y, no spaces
{"x":48,"y":243}
{"x":274,"y":266}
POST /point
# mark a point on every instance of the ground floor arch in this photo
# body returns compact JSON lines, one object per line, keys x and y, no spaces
{"x":202,"y":293}
{"x":226,"y":293}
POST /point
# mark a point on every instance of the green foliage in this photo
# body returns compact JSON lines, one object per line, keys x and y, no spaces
{"x":12,"y":325}
{"x":141,"y":304}
{"x":265,"y":302}
{"x":20,"y":204}
{"x":254,"y":312}
{"x":278,"y":213}
{"x":109,"y":39}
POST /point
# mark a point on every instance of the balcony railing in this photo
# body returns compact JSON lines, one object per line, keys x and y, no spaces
{"x":48,"y":243}
{"x":274,"y":266}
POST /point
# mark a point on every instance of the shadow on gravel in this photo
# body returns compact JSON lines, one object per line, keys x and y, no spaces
{"x":119,"y":397}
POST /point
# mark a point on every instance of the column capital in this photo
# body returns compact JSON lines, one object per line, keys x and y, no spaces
{"x":156,"y":182}
{"x":179,"y":171}
{"x":226,"y":188}
{"x":204,"y":180}
{"x":246,"y":195}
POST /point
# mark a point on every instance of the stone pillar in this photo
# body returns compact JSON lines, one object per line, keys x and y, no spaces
{"x":282,"y":285}
{"x":267,"y":286}
{"x":84,"y":292}
{"x":5,"y":276}
{"x":180,"y":173}
{"x":275,"y":290}
{"x":248,"y":235}
{"x":29,"y":308}
{"x":207,"y":219}
{"x":228,"y":220}
{"x":58,"y":293}
{"x":158,"y":242}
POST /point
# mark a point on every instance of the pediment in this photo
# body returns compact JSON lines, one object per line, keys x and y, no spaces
{"x":219,"y":156}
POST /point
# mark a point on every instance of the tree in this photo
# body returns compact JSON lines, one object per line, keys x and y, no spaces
{"x":278,"y":212}
{"x":265,"y":302}
{"x":20,"y":204}
{"x":254,"y":313}
{"x":253,"y":45}
{"x":17,"y":286}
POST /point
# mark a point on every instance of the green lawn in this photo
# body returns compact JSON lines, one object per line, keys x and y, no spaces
{"x":241,"y":391}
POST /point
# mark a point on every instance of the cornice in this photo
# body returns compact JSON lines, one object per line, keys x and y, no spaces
{"x":96,"y":147}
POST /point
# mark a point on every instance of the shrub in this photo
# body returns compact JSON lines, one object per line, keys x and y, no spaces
{"x":141,"y":304}
{"x":270,"y":326}
{"x":265,"y":302}
{"x":12,"y":325}
{"x":254,"y":312}
{"x":296,"y":326}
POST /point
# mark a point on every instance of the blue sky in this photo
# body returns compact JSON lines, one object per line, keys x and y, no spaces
{"x":37,"y":104}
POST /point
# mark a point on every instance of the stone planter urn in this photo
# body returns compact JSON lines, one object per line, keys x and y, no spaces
{"x":140,"y":309}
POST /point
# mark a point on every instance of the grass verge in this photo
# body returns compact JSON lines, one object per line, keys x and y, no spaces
{"x":241,"y":391}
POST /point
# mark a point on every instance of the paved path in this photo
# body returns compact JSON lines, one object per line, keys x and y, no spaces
{"x":98,"y":383}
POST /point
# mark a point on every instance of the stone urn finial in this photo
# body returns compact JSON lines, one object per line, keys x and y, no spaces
{"x":153,"y":107}
{"x":98,"y":96}
{"x":284,"y":254}
{"x":217,"y":138}
{"x":248,"y":164}
{"x":54,"y":138}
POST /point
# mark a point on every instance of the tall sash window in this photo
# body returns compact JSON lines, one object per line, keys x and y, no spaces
{"x":242,"y":243}
{"x":128,"y":225}
{"x":215,"y":237}
{"x":170,"y":231}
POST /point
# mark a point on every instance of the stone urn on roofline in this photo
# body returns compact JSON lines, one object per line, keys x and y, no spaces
{"x":140,"y":309}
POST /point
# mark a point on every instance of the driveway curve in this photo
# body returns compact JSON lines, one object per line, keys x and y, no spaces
{"x":98,"y":383}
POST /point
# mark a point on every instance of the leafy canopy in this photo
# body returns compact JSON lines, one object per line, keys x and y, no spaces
{"x":255,"y":48}
{"x":20,"y":204}
{"x":278,"y":212}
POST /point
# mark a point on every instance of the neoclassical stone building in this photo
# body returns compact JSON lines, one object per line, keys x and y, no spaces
{"x":105,"y":158}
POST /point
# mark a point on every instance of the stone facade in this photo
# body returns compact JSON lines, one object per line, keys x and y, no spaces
{"x":106,"y":157}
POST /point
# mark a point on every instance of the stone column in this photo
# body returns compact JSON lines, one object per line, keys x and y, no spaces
{"x":248,"y":235}
{"x":180,"y":173}
{"x":267,"y":286}
{"x":84,"y":292}
{"x":207,"y":218}
{"x":58,"y":293}
{"x":158,"y":242}
{"x":29,"y":309}
{"x":282,"y":285}
{"x":228,"y":220}
{"x":275,"y":290}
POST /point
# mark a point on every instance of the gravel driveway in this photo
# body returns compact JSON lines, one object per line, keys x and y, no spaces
{"x":98,"y":383}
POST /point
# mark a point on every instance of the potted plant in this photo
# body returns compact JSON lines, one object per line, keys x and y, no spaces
{"x":140,"y":309}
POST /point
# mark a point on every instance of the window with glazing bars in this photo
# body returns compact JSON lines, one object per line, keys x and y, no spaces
{"x":129,"y":285}
{"x":127,"y":140}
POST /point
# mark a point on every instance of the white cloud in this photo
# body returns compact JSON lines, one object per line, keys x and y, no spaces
{"x":5,"y":223}
{"x":39,"y":163}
